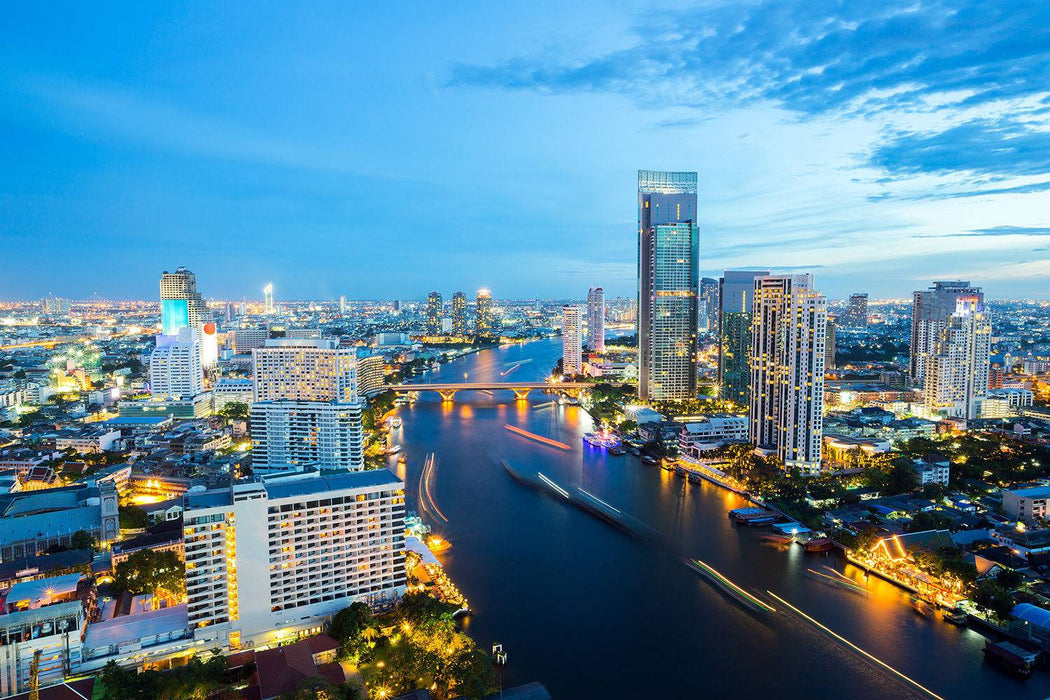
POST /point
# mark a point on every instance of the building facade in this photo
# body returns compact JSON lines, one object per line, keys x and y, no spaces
{"x":930,"y":312}
{"x":181,"y":305}
{"x":459,"y":314}
{"x":298,"y":435}
{"x":956,"y":372}
{"x":266,"y":560}
{"x":668,"y":284}
{"x":486,"y":322}
{"x":305,"y":370}
{"x":434,"y":313}
{"x":175,"y":370}
{"x":787,"y":369}
{"x":735,"y":299}
{"x":596,"y":319}
{"x":856,"y":315}
{"x":571,"y":339}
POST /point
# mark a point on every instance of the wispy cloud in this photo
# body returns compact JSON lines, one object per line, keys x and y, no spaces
{"x":995,"y":231}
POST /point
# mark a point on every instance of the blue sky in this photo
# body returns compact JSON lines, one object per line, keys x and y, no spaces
{"x":387,"y":149}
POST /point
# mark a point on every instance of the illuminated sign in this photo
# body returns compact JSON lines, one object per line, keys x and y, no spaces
{"x":174,"y":314}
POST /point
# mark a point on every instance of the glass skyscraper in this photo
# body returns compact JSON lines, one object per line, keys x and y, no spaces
{"x":735,"y":297}
{"x":668,"y":284}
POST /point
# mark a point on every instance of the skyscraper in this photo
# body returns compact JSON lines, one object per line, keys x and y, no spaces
{"x":856,"y":315}
{"x":930,"y":312}
{"x":787,"y":369}
{"x":181,"y":305}
{"x":956,"y":372}
{"x":342,"y":304}
{"x":175,"y":370}
{"x":434,"y":313}
{"x":708,"y":304}
{"x":485,"y":319}
{"x":306,"y":411}
{"x":459,"y":314}
{"x":829,"y":345}
{"x":268,"y":306}
{"x":571,"y":339}
{"x":736,"y":291}
{"x":596,"y":319}
{"x":668,"y":284}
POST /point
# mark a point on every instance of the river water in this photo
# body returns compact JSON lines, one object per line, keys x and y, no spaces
{"x":592,"y":613}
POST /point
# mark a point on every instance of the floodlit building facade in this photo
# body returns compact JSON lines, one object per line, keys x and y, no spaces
{"x":787,"y":369}
{"x":736,"y":295}
{"x":486,"y":321}
{"x":434,"y":313}
{"x":299,"y":435}
{"x":459,"y":314}
{"x":596,"y":319}
{"x":956,"y":372}
{"x":305,"y":370}
{"x":931,"y":310}
{"x":181,"y":305}
{"x":571,"y":339}
{"x":268,"y":560}
{"x":668,"y":284}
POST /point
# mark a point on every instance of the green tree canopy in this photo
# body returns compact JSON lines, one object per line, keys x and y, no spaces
{"x":148,"y":571}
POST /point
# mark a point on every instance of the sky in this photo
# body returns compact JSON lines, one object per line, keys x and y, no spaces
{"x":382,"y":150}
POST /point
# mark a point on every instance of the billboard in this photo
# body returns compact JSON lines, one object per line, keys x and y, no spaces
{"x":174,"y":314}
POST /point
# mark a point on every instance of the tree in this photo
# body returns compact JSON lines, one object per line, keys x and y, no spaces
{"x":993,"y":598}
{"x":82,"y":539}
{"x":418,"y":608}
{"x":931,"y":520}
{"x":148,"y":571}
{"x":132,"y":518}
{"x":1009,"y":579}
{"x":235,"y":410}
{"x":348,"y":624}
{"x":119,"y":683}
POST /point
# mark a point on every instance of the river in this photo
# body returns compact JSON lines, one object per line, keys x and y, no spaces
{"x":592,"y":613}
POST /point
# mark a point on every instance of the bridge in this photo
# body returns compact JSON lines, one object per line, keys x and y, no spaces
{"x":521,"y":389}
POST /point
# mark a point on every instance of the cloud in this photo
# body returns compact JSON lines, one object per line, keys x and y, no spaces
{"x":809,"y":58}
{"x":1030,"y":188}
{"x":1004,"y":147}
{"x":996,"y":231}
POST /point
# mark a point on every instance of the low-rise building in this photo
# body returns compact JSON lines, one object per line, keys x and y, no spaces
{"x":87,"y":440}
{"x":31,"y":522}
{"x":710,"y":433}
{"x":932,"y":469}
{"x":1026,"y":504}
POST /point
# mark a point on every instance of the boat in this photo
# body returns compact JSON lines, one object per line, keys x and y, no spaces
{"x":649,"y":459}
{"x":731,"y":589}
{"x":617,"y":450}
{"x":664,"y":464}
{"x":603,"y":439}
{"x":1011,"y":657}
{"x":694,"y":478}
{"x":753,"y":516}
{"x":777,"y":539}
{"x":401,"y":460}
{"x":956,"y":616}
{"x":393,"y":449}
{"x":920,"y":606}
{"x":634,"y":450}
{"x":395,"y":423}
{"x":679,"y":469}
{"x":819,"y":544}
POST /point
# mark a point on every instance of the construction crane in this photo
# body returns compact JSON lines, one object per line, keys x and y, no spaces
{"x":34,"y":676}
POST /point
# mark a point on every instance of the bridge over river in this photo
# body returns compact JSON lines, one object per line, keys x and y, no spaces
{"x":521,"y":389}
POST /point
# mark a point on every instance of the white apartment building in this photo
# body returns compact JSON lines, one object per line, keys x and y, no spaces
{"x":571,"y":339}
{"x":596,"y":319}
{"x":296,"y":435}
{"x":956,"y":372}
{"x":296,"y":369}
{"x":788,"y":327}
{"x":1027,"y":504}
{"x":711,"y":432}
{"x":231,"y":390}
{"x":371,"y":375}
{"x":175,"y":370}
{"x":247,"y":339}
{"x":268,"y":559}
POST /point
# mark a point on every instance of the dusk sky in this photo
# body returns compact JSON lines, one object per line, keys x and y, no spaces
{"x":387,"y":149}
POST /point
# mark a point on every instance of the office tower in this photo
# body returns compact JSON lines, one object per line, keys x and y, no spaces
{"x":668,"y":284}
{"x":736,"y":291}
{"x":930,"y":312}
{"x":267,"y":560}
{"x":596,"y":319}
{"x":181,"y":305}
{"x":787,"y":369}
{"x":708,"y":304}
{"x":305,"y":370}
{"x":829,"y":345}
{"x":485,"y":320}
{"x":175,"y":370}
{"x":306,"y":411}
{"x":459,"y":314}
{"x":268,"y":305}
{"x":298,"y":435}
{"x":571,"y":339}
{"x":856,"y":315}
{"x":956,"y":372}
{"x":434,"y":313}
{"x":230,"y":313}
{"x":342,"y":304}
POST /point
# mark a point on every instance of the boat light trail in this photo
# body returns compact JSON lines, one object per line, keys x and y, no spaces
{"x":537,"y":438}
{"x":553,"y":485}
{"x":841,"y":582}
{"x":426,"y":479}
{"x":615,"y":510}
{"x":853,"y":646}
{"x":708,"y":572}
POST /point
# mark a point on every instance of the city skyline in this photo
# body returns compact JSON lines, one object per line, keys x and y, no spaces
{"x":242,"y":166}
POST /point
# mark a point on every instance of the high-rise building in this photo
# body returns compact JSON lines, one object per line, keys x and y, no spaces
{"x":956,"y":372}
{"x":434,"y":313}
{"x":306,"y":411}
{"x":571,"y":339}
{"x":829,"y":345}
{"x":930,"y":312}
{"x":267,"y":560}
{"x":856,"y":315}
{"x":370,"y":375}
{"x":787,"y":369}
{"x":181,"y":305}
{"x":342,"y":304}
{"x":53,"y":305}
{"x":708,"y":321}
{"x":596,"y":319}
{"x":485,"y":324}
{"x":305,"y":370}
{"x":298,"y":435}
{"x":736,"y":292}
{"x":175,"y":370}
{"x":268,"y":305}
{"x":668,"y":284}
{"x":459,"y":314}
